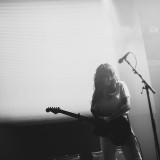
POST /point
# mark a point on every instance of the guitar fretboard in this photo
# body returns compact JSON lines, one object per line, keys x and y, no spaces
{"x":78,"y":116}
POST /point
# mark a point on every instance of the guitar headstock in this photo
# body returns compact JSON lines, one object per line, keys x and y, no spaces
{"x":55,"y":110}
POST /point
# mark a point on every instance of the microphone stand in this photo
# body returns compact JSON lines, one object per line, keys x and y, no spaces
{"x":147,"y":87}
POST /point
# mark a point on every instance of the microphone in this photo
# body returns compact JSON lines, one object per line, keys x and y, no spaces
{"x":123,"y":58}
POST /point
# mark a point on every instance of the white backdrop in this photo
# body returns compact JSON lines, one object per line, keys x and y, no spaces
{"x":49,"y":51}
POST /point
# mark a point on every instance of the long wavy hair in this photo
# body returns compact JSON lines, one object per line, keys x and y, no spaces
{"x":104,"y":71}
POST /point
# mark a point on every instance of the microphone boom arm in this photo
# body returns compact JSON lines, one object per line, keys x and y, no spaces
{"x":143,"y":81}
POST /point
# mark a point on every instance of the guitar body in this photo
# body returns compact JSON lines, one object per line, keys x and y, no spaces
{"x":117,"y":130}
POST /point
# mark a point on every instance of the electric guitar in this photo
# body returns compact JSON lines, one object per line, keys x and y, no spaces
{"x":116,"y":130}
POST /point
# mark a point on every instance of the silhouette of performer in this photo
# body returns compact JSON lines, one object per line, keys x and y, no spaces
{"x":111,"y":100}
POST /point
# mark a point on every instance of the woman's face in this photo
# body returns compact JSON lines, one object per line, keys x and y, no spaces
{"x":107,"y":81}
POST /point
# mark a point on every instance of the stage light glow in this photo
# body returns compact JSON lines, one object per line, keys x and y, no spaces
{"x":49,"y":52}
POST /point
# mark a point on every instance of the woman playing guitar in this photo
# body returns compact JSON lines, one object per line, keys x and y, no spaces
{"x":111,"y":102}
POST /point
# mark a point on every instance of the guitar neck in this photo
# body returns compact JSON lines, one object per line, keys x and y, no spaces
{"x":77,"y":116}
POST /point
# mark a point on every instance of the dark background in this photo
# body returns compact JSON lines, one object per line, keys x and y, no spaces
{"x":48,"y":139}
{"x":45,"y":141}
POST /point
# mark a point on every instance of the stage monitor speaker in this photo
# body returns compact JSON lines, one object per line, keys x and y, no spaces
{"x":67,"y":157}
{"x":98,"y":155}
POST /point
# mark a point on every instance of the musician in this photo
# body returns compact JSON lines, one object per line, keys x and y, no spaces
{"x":111,"y":100}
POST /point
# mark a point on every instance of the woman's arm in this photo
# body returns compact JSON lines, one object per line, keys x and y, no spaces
{"x":125,"y":107}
